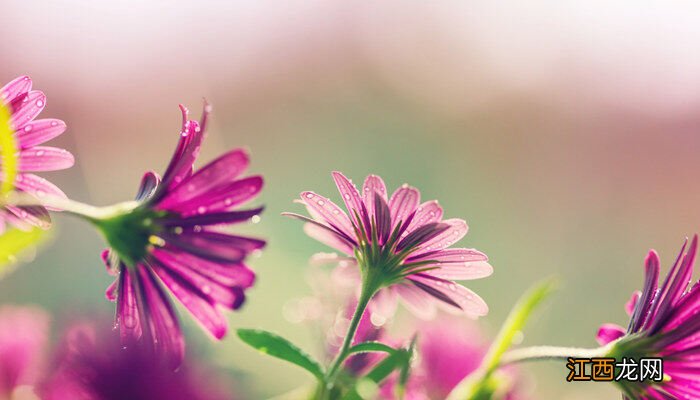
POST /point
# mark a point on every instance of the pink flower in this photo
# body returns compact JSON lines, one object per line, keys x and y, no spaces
{"x":173,"y":238}
{"x":664,"y":323}
{"x":402,"y":241}
{"x":93,"y":365}
{"x":25,"y":105}
{"x":23,"y":337}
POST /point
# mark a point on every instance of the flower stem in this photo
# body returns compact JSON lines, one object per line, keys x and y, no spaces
{"x":66,"y":205}
{"x":369,"y":288}
{"x":540,"y":353}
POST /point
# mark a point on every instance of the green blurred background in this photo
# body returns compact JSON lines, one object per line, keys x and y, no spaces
{"x":565,"y":134}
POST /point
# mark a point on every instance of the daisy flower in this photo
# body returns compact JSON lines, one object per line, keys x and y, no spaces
{"x":665,"y":323}
{"x":172,"y":238}
{"x":400,"y":246}
{"x":21,"y":105}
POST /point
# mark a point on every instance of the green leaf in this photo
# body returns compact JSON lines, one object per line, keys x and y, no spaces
{"x":279,"y":347}
{"x":8,"y":151}
{"x":14,"y":242}
{"x":399,"y":359}
{"x":476,"y":385}
{"x":371,"y":347}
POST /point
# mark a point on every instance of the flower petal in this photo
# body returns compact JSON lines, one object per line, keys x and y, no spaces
{"x":456,"y":231}
{"x":222,"y":170}
{"x":38,"y":187}
{"x":221,"y":198}
{"x":44,"y":158}
{"x":14,"y":88}
{"x":426,"y":213}
{"x":214,"y":246}
{"x":418,"y":302}
{"x":328,"y":237}
{"x":461,"y":271}
{"x":608,"y":333}
{"x":39,"y":131}
{"x":326,"y":211}
{"x":350,"y":195}
{"x":373,"y":185}
{"x":148,"y":186}
{"x":403,"y":203}
{"x":27,"y":108}
{"x":217,"y":218}
{"x":452,"y":294}
{"x":632,"y":302}
{"x":384,"y":303}
{"x":127,"y":317}
{"x":161,"y":318}
{"x":204,"y":310}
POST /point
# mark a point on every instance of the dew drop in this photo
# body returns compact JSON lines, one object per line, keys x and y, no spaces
{"x":309,"y":196}
{"x":28,"y":128}
{"x":201,"y":209}
{"x":39,"y":103}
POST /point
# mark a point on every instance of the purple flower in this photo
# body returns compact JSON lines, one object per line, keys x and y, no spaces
{"x":24,"y":105}
{"x":23,"y":336}
{"x":173,"y":237}
{"x":402,"y":241}
{"x":92,"y":365}
{"x":665,"y":322}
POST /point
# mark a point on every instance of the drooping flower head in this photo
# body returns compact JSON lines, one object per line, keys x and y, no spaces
{"x":22,"y":105}
{"x":23,"y":337}
{"x":173,"y":237}
{"x":665,"y":323}
{"x":91,"y":364}
{"x":401,"y":243}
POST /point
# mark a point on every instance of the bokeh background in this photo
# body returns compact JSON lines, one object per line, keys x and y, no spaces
{"x":565,"y":133}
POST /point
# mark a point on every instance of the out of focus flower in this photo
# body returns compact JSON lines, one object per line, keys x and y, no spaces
{"x":93,"y":365}
{"x":22,"y":105}
{"x":664,"y":323}
{"x":23,"y":336}
{"x":400,"y":245}
{"x":173,"y":237}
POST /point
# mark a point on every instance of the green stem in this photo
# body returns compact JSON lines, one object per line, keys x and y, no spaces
{"x":369,"y":289}
{"x":68,"y":206}
{"x":540,"y":353}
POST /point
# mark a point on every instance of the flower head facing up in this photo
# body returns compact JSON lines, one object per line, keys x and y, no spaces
{"x":665,"y":321}
{"x":173,"y":237}
{"x":400,"y":245}
{"x":22,"y":105}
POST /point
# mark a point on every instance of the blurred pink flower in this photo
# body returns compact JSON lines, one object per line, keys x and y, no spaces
{"x":93,"y":365}
{"x":25,"y":105}
{"x":406,"y":241}
{"x":23,"y":337}
{"x":172,"y":238}
{"x":664,"y":323}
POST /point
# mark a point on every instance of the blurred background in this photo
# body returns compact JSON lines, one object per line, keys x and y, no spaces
{"x":565,"y":133}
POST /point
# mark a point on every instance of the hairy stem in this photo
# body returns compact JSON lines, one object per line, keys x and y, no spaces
{"x":540,"y":353}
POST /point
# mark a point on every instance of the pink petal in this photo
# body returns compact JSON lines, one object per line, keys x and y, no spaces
{"x":221,"y":198}
{"x":350,"y":195}
{"x":451,"y":256}
{"x":225,"y":274}
{"x":326,"y":211}
{"x":418,"y":302}
{"x":149,"y":185}
{"x":30,"y":106}
{"x":403,"y":203}
{"x":426,"y":213}
{"x":609,"y":332}
{"x":461,"y":271}
{"x":373,"y":185}
{"x":384,"y":303}
{"x":328,"y":238}
{"x":458,"y":228}
{"x":469,"y":302}
{"x":14,"y":88}
{"x":127,"y":308}
{"x":43,"y":158}
{"x":202,"y":309}
{"x":38,"y":187}
{"x":214,"y":246}
{"x":190,"y":274}
{"x":112,"y":291}
{"x":32,"y":215}
{"x":162,"y":321}
{"x":632,"y":302}
{"x":223,"y":170}
{"x":39,"y":131}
